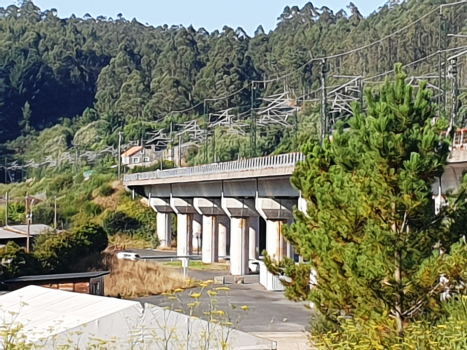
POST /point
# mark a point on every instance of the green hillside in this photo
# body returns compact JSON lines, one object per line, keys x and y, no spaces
{"x":87,"y":78}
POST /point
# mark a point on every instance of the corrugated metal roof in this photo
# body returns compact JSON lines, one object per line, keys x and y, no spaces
{"x":129,"y":152}
{"x":45,"y":312}
{"x":61,"y":276}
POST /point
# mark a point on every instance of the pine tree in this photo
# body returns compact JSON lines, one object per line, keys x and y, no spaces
{"x":371,"y":229}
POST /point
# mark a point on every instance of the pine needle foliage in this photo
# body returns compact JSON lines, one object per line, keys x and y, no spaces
{"x":370,"y":230}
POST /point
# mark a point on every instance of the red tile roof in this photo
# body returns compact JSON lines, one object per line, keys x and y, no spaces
{"x":129,"y":152}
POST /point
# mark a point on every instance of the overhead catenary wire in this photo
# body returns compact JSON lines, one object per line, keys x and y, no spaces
{"x":318,"y":59}
{"x":413,"y":63}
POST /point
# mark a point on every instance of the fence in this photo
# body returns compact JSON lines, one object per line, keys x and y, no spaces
{"x":279,"y":161}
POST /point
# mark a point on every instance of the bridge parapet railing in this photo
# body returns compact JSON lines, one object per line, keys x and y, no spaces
{"x":278,"y":161}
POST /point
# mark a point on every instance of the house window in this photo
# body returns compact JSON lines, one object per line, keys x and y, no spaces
{"x":136,"y":160}
{"x":146,"y":159}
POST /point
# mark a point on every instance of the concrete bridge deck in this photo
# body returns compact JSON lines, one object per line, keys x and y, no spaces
{"x":279,"y":165}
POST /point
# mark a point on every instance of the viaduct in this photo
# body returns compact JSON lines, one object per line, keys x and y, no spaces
{"x":237,"y":208}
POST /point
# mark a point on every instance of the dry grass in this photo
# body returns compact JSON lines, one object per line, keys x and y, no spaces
{"x":122,"y":242}
{"x":111,"y":202}
{"x":199,"y":265}
{"x":133,"y":279}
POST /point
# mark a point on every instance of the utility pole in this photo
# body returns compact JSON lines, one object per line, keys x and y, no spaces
{"x":296,"y":128}
{"x":453,"y":75}
{"x":206,"y":146}
{"x":55,"y":213}
{"x":27,"y":196}
{"x":6,"y":209}
{"x":440,"y":30}
{"x":180,"y":140}
{"x":253,"y":121}
{"x":28,"y":222}
{"x":119,"y":175}
{"x":324,"y":117}
{"x":445,"y":46}
{"x":6,"y":170}
{"x":360,"y":91}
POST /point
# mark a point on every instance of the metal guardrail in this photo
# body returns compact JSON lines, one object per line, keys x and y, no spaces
{"x":279,"y":161}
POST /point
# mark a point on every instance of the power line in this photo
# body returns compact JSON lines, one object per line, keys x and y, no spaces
{"x":319,"y":59}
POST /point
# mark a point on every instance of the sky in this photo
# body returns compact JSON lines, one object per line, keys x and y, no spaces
{"x":210,"y":14}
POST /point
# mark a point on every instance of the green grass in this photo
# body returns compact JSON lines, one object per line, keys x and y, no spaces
{"x":198,"y":265}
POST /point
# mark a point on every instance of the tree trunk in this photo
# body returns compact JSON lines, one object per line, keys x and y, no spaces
{"x":399,"y":296}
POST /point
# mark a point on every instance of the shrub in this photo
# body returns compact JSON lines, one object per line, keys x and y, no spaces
{"x":16,"y":262}
{"x":16,"y":213}
{"x":92,"y":209}
{"x":105,"y":190}
{"x":60,"y":183}
{"x":57,"y":252}
{"x":91,"y":236}
{"x":119,"y":222}
{"x":166,"y":164}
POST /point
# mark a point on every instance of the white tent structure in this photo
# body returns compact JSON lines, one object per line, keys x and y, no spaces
{"x":52,"y":319}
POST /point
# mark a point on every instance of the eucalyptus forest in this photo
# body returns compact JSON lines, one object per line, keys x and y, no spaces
{"x":73,"y":83}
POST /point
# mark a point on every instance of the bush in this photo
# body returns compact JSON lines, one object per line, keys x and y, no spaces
{"x":119,"y":222}
{"x":60,"y":183}
{"x":105,"y":190}
{"x":91,"y":236}
{"x":17,"y":262}
{"x":57,"y":252}
{"x":92,"y":209}
{"x":16,"y":213}
{"x":166,"y":164}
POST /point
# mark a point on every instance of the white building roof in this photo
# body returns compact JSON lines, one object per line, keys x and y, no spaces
{"x":35,"y":229}
{"x":51,"y":318}
{"x":4,"y":234}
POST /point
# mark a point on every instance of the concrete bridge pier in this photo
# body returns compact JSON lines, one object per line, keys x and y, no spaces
{"x":164,"y":229}
{"x":253,"y":237}
{"x":164,"y":215}
{"x":238,"y":246}
{"x":197,"y":233}
{"x":184,"y":237}
{"x":223,"y":236}
{"x":210,"y":209}
{"x":276,"y":212}
{"x":188,"y":224}
{"x":239,"y":210}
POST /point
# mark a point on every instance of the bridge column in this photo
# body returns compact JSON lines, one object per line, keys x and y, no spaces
{"x":276,"y":212}
{"x":223,"y":229}
{"x":238,"y":246}
{"x":197,"y":234}
{"x":184,"y":237}
{"x":211,"y":209}
{"x":164,"y":226}
{"x":239,"y":210}
{"x":210,"y":252}
{"x":253,"y":231}
{"x":164,"y":229}
{"x":186,"y":220}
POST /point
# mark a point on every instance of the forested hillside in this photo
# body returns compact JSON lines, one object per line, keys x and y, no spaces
{"x":96,"y":76}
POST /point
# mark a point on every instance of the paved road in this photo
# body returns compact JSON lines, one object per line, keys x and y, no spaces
{"x":269,"y":311}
